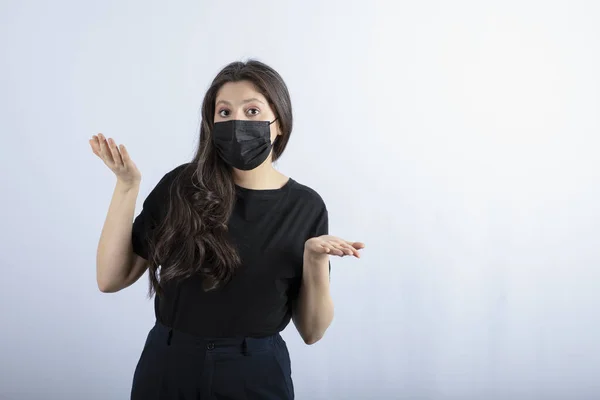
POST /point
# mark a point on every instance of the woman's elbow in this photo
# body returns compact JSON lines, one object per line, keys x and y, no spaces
{"x":107,"y":287}
{"x":108,"y":284}
{"x":312,"y":339}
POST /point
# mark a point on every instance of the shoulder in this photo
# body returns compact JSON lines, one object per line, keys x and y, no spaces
{"x":313,"y":210}
{"x":161,"y":191}
{"x":171,"y":176}
{"x":306,"y":195}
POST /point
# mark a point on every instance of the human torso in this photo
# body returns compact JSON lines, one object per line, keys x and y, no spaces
{"x":269,"y":229}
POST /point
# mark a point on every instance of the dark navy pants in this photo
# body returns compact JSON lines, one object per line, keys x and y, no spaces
{"x":176,"y":365}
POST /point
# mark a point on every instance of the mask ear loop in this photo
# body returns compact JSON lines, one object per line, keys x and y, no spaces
{"x":271,"y":123}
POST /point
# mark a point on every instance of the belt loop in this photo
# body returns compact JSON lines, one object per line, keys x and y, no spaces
{"x":245,"y":347}
{"x":173,"y":312}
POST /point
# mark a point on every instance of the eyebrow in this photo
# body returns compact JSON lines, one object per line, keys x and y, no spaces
{"x":243,"y":102}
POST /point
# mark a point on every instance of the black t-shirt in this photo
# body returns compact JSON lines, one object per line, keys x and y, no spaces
{"x":269,"y":229}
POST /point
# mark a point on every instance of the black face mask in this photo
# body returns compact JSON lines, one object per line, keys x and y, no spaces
{"x":243,"y":144}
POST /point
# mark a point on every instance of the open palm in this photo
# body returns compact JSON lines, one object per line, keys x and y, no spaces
{"x":334,"y":246}
{"x":116,"y":158}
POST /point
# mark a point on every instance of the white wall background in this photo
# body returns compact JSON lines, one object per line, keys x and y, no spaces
{"x":459,"y":140}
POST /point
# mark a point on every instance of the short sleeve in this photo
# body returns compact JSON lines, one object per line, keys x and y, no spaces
{"x":154,"y":207}
{"x":321,"y":227}
{"x":143,"y":225}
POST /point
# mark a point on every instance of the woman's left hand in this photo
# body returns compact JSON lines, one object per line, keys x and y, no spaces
{"x":332,"y":245}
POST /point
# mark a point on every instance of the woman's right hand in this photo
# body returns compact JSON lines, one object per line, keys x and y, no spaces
{"x":117,"y":159}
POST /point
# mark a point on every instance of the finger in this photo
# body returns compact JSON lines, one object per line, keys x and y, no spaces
{"x":357,"y":245}
{"x":125,"y":155}
{"x":330,"y":249}
{"x":336,"y":249}
{"x":342,"y":245}
{"x":353,"y":251}
{"x":104,"y":150}
{"x":115,"y":152}
{"x":348,"y":249}
{"x":95,"y":145}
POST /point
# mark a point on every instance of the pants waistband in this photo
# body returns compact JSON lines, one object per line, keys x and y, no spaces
{"x":171,"y":336}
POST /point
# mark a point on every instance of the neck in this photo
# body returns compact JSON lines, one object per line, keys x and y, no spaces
{"x":263,"y":177}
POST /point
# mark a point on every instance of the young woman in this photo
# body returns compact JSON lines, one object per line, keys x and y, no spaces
{"x":234,"y":250}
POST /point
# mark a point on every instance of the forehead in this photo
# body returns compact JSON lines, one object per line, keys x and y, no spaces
{"x":236,"y":92}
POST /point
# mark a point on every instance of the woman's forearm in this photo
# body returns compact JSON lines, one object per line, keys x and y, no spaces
{"x":314,"y":308}
{"x":114,"y":258}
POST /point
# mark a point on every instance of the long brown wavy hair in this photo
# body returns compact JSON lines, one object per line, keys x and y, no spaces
{"x":192,"y":237}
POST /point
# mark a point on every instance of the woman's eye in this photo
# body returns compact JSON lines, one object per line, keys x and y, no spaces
{"x":224,"y":113}
{"x":253,"y":111}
